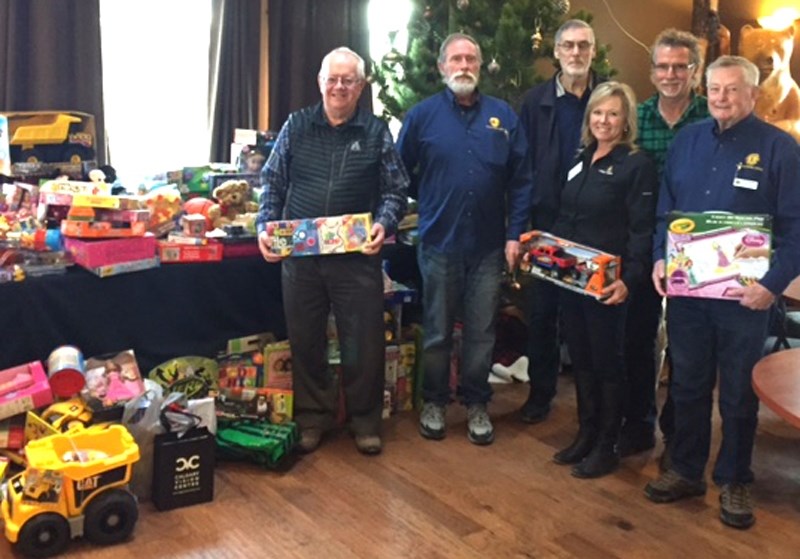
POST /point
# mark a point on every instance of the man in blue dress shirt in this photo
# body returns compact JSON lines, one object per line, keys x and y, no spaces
{"x":734,"y":163}
{"x":467,"y":157}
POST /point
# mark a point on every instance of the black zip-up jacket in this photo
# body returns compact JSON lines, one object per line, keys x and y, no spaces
{"x":334,"y":170}
{"x":610,"y":205}
{"x":538,"y":118}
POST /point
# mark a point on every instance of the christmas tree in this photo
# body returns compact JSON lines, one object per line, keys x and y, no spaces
{"x":512,"y":34}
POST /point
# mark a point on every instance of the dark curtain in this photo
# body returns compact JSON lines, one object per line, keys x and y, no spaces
{"x":301,"y":33}
{"x":50,"y":59}
{"x":233,"y":71}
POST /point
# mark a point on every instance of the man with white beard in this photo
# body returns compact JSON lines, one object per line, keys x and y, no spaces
{"x":467,"y":157}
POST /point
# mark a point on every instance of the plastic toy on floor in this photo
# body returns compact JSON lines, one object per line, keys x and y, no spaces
{"x":75,"y":485}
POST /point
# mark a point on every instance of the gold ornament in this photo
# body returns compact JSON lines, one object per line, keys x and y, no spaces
{"x":493,"y":66}
{"x":536,"y":40}
{"x":462,"y":4}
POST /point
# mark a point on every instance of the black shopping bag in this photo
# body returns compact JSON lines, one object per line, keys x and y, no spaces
{"x":183,"y":469}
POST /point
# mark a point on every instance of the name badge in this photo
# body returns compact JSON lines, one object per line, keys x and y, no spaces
{"x":745,"y":183}
{"x":575,"y":171}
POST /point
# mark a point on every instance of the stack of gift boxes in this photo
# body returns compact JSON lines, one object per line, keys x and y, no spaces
{"x":105,"y":234}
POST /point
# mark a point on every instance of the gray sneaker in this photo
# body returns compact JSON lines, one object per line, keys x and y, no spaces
{"x":479,"y":426}
{"x":432,"y":421}
{"x":736,"y":506}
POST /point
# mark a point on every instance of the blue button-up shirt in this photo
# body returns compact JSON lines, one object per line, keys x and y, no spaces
{"x":750,"y":168}
{"x":468,"y":165}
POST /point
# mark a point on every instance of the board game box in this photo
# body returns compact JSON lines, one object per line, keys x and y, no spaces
{"x":321,"y":235}
{"x":710,"y":255}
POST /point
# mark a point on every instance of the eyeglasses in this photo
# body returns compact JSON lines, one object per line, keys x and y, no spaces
{"x":569,"y":46}
{"x":676,"y":68}
{"x":346,"y":81}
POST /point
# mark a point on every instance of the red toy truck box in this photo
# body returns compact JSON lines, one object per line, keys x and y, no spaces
{"x":570,"y":265}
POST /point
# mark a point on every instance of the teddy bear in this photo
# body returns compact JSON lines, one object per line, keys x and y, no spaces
{"x":233,"y":200}
{"x":779,"y":95}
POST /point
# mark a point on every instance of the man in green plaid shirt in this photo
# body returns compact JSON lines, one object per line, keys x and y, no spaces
{"x":675,"y":73}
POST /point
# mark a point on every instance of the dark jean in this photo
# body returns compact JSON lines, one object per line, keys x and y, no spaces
{"x":465,"y":285}
{"x":544,"y":356}
{"x":350,"y":285}
{"x":707,"y":335}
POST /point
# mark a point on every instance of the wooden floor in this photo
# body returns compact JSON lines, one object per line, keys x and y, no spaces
{"x":452,"y":499}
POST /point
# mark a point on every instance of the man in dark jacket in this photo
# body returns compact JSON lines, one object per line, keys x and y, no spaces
{"x":551,"y":116}
{"x":332,"y":159}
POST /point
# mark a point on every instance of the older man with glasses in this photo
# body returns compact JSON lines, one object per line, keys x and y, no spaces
{"x":551,"y":116}
{"x":675,"y":72}
{"x":736,"y":163}
{"x":331,"y":159}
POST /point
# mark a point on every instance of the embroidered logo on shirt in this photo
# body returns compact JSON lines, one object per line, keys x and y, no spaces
{"x":494,"y":124}
{"x":752,"y":160}
{"x":607,"y":171}
{"x":355,"y":146}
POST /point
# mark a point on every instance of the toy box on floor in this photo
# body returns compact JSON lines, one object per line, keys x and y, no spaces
{"x":273,"y":404}
{"x":264,"y":443}
{"x":714,"y":255}
{"x":112,"y":378}
{"x":23,"y":388}
{"x":278,"y":365}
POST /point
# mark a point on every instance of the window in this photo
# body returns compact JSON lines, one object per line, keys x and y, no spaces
{"x":388,"y":20}
{"x":155,"y":85}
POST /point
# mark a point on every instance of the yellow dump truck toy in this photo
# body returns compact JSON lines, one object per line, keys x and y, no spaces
{"x":51,"y":136}
{"x":76,"y":484}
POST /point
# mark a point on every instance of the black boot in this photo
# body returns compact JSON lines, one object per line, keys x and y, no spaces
{"x":587,"y":421}
{"x":604,"y":457}
{"x":602,"y":460}
{"x":578,"y":450}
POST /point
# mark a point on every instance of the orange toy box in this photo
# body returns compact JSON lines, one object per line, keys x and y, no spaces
{"x":23,"y":388}
{"x":570,"y":265}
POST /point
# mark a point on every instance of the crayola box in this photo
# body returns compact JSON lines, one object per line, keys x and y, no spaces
{"x":712,"y":255}
{"x":321,"y":235}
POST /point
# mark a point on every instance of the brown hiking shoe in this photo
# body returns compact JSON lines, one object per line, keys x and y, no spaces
{"x":736,"y":506}
{"x":671,"y":486}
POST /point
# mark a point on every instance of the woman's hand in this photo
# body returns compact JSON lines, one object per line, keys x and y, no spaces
{"x":614,"y":293}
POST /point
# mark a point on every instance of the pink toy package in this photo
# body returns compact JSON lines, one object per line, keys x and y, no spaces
{"x":113,"y":378}
{"x":23,"y":388}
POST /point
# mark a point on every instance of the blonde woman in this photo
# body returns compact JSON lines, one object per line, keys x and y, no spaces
{"x":608,"y":202}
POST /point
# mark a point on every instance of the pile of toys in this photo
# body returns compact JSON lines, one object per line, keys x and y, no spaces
{"x":76,"y":434}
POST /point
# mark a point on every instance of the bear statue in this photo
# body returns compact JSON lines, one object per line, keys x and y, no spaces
{"x":779,"y":95}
